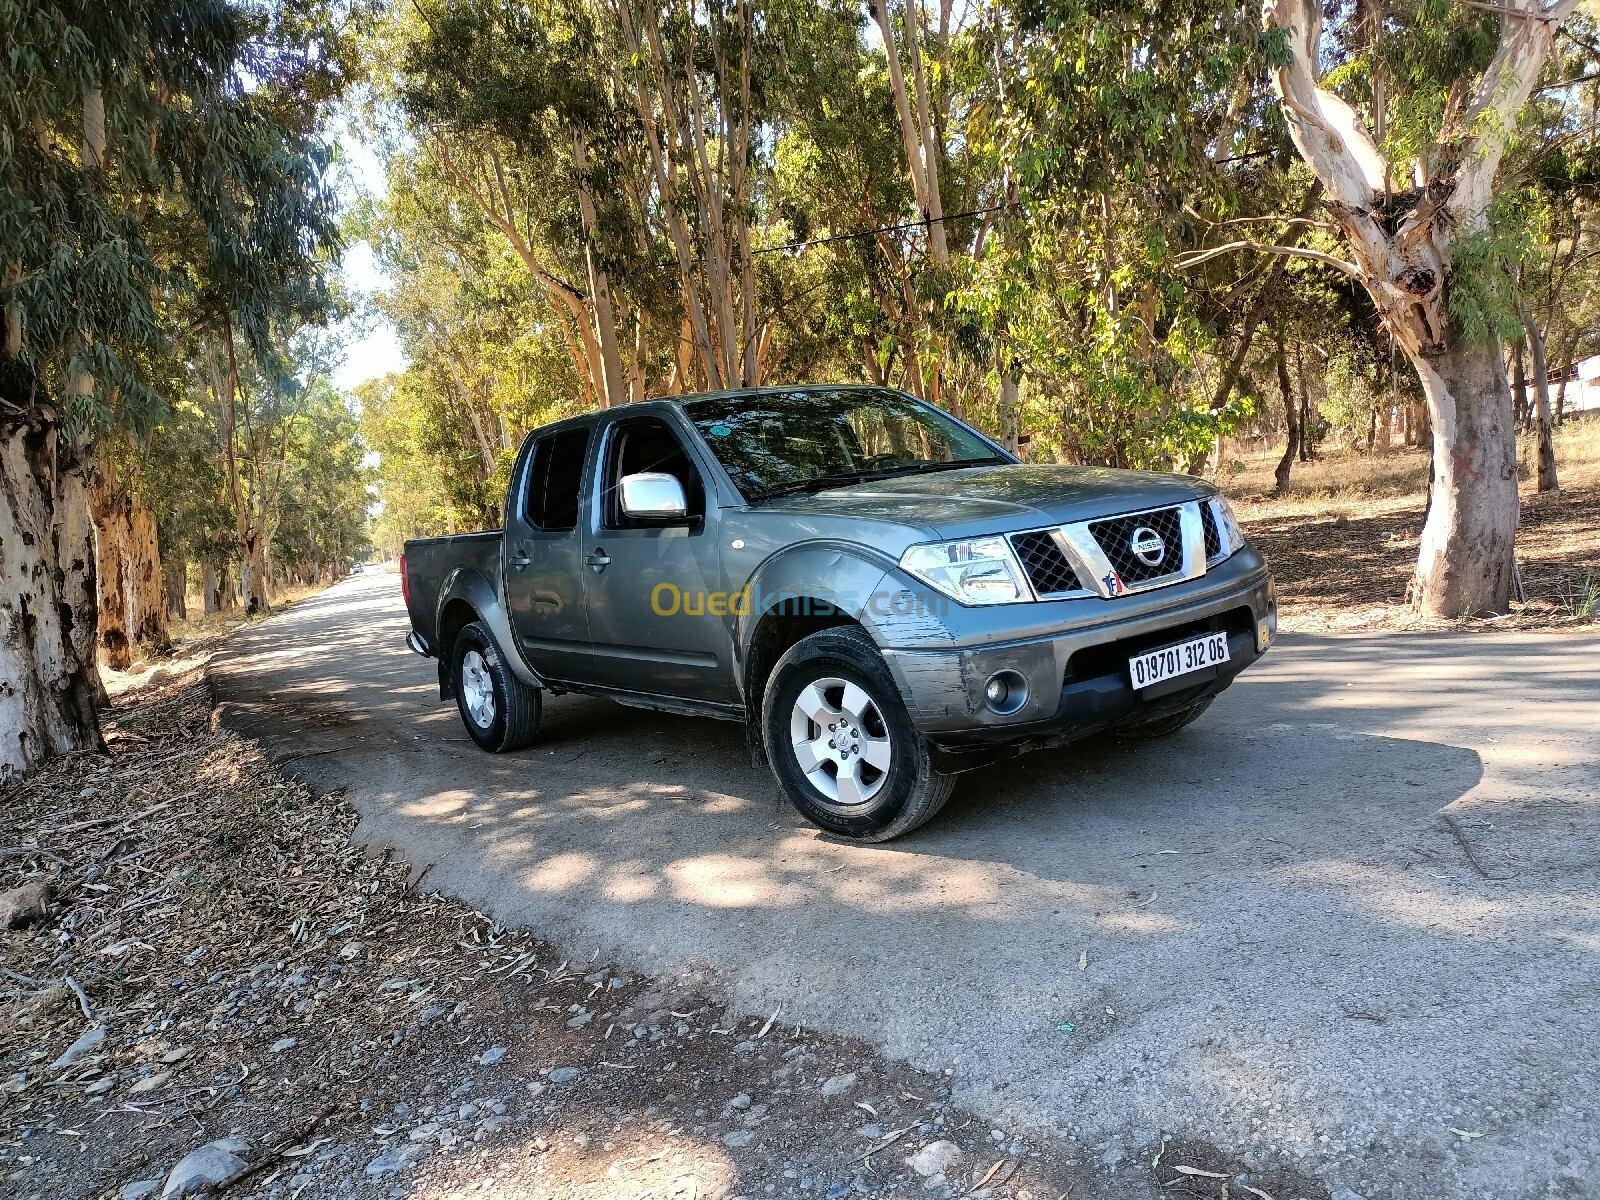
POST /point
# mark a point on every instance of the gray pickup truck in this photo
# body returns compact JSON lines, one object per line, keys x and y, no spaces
{"x":884,"y":596}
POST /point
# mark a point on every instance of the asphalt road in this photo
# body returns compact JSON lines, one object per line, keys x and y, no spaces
{"x":1348,"y":918}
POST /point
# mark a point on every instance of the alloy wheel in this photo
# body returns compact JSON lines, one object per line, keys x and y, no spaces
{"x":840,"y":740}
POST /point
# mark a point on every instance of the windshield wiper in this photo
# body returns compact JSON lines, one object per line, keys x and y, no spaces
{"x":954,"y":463}
{"x":818,"y":484}
{"x":824,"y":482}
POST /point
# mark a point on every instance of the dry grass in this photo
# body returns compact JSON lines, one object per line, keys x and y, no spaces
{"x":191,"y":640}
{"x":1343,"y":542}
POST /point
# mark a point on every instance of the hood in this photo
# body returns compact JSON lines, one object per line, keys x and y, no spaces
{"x":997,"y":499}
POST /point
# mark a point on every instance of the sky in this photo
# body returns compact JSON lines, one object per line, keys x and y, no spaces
{"x":377,"y":352}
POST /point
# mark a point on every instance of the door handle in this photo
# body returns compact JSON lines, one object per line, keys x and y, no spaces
{"x":521,"y":560}
{"x":598,"y":559}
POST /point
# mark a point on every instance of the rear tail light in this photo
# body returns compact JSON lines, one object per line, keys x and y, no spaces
{"x":405,"y":582}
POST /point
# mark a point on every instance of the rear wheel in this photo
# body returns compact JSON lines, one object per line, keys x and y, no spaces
{"x":842,"y":744}
{"x":501,"y":712}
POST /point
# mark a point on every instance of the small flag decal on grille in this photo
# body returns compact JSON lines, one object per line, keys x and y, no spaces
{"x":1113,"y":584}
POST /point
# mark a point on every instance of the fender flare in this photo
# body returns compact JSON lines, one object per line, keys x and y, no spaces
{"x":469,"y":586}
{"x":864,"y":585}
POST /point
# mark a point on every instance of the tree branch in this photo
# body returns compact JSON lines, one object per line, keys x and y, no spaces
{"x":1194,"y":260}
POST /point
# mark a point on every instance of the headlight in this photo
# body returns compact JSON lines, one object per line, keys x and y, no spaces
{"x":1227,"y":525}
{"x":976,"y":571}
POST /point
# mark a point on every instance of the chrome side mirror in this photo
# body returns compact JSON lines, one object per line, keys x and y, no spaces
{"x":653,"y":495}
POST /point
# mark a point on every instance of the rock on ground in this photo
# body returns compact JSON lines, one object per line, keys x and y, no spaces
{"x":934,"y":1159}
{"x":396,"y":1159}
{"x":212,"y":1164}
{"x":22,"y":906}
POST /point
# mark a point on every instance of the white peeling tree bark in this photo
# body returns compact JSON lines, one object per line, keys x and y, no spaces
{"x":1402,"y":255}
{"x":48,"y":684}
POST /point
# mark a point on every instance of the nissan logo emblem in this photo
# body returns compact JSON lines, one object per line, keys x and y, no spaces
{"x":1147,"y":546}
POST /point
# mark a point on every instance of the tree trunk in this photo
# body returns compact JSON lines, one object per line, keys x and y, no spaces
{"x":48,"y":684}
{"x":614,"y":383}
{"x":109,"y":506}
{"x":1403,"y":257}
{"x":1519,"y":387}
{"x":210,"y":588}
{"x":1291,"y":417}
{"x":1010,"y":415}
{"x":1561,"y":392}
{"x":147,"y":600}
{"x":1305,"y":404}
{"x":1385,"y":427}
{"x":1466,"y":563}
{"x":1541,"y":391}
{"x":253,"y":572}
{"x":175,"y":583}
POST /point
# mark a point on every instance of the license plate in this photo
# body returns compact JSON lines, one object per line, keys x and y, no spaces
{"x":1155,"y":666}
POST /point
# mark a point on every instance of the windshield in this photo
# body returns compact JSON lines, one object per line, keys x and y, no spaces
{"x":777,"y":442}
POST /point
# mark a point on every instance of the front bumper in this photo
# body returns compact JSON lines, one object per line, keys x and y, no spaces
{"x":1076,"y":682}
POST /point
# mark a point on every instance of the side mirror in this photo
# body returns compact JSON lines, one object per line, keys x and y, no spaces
{"x":653,"y":495}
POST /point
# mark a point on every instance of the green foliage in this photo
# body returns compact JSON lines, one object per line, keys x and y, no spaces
{"x":211,"y":193}
{"x":1487,"y":264}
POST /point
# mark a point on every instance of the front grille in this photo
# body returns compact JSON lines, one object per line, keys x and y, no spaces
{"x":1048,"y":569}
{"x":1208,"y":522}
{"x":1115,"y":536}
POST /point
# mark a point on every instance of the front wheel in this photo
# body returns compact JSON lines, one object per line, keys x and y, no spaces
{"x":842,"y":744}
{"x":501,"y":712}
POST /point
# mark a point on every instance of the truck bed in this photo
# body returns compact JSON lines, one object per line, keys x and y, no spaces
{"x":429,"y":562}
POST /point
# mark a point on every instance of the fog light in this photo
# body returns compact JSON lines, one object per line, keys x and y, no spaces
{"x":1005,"y":692}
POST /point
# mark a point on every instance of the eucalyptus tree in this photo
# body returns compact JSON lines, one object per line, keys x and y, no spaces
{"x":79,"y":279}
{"x":518,"y":105}
{"x":1413,"y":190}
{"x":322,"y":511}
{"x":1126,"y":134}
{"x":118,"y":116}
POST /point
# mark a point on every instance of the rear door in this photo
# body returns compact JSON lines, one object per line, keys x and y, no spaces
{"x":657,"y":619}
{"x":544,"y":586}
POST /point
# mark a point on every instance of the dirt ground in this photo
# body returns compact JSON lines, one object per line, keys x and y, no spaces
{"x":1343,"y":542}
{"x":253,"y":976}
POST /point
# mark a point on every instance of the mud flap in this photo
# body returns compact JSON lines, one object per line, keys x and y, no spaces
{"x":754,"y":744}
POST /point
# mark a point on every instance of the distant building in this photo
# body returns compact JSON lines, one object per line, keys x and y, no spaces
{"x":1582,"y":386}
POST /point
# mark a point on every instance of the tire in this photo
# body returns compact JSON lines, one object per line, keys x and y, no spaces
{"x":889,"y":785}
{"x":1170,"y":724}
{"x":501,"y":712}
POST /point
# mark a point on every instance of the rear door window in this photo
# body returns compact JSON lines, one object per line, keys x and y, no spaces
{"x":555,"y":479}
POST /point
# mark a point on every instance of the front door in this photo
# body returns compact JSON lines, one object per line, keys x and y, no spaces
{"x":657,"y":621}
{"x":544,"y":586}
